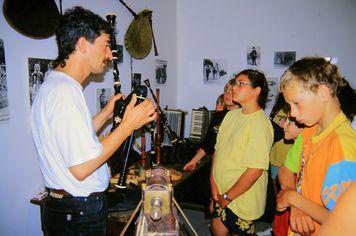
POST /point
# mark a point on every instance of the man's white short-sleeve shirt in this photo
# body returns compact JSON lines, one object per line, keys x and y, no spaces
{"x":64,"y":136}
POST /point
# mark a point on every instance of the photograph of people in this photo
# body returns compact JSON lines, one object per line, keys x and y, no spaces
{"x":38,"y":69}
{"x":214,"y":70}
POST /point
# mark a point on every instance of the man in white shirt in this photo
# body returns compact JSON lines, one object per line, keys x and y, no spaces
{"x":72,"y":159}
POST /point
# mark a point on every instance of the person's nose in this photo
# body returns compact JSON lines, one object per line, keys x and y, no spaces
{"x":109,"y":55}
{"x":293,"y":111}
{"x":285,"y":126}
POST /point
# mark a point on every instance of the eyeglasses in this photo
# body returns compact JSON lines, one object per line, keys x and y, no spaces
{"x":290,"y":120}
{"x":240,"y":83}
{"x":280,"y":119}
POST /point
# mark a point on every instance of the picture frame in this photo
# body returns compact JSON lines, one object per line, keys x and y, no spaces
{"x":38,"y":68}
{"x":161,"y":72}
{"x":102,"y":97}
{"x":284,"y":58}
{"x":4,"y":101}
{"x":214,"y":70}
{"x":253,"y":56}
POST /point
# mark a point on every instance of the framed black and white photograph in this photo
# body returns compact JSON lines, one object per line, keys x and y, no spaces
{"x":253,"y":56}
{"x":38,"y":69}
{"x":284,"y":58}
{"x":4,"y":102}
{"x":136,"y":80}
{"x":161,"y":72}
{"x":214,"y":70}
{"x":102,"y":97}
{"x":273,"y":83}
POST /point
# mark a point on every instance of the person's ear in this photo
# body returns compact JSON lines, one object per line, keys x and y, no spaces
{"x":81,"y":45}
{"x":257,"y":91}
{"x":324,"y":92}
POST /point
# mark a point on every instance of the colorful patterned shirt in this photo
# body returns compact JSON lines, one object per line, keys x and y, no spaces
{"x":330,"y":161}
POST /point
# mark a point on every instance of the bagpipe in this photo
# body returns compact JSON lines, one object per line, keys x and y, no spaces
{"x":181,"y":150}
{"x":123,"y":152}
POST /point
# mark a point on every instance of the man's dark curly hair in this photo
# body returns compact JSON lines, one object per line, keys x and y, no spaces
{"x":77,"y":22}
{"x":257,"y":79}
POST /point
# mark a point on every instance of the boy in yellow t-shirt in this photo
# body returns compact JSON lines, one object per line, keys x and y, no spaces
{"x":239,"y":170}
{"x":328,"y":160}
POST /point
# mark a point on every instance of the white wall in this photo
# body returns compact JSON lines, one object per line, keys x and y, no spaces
{"x":20,"y":177}
{"x":225,"y":28}
{"x":186,"y":32}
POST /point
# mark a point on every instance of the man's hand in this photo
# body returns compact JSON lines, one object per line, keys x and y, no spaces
{"x":139,"y":115}
{"x":107,"y":113}
{"x":300,"y":222}
{"x":108,"y":110}
{"x":134,"y":118}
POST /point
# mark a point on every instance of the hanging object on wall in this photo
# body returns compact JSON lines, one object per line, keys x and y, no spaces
{"x":35,"y":19}
{"x":38,"y":69}
{"x":4,"y":101}
{"x":139,"y":35}
{"x":161,"y":72}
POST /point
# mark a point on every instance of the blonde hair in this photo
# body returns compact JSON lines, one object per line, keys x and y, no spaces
{"x":220,"y":100}
{"x":229,"y":84}
{"x":312,"y":72}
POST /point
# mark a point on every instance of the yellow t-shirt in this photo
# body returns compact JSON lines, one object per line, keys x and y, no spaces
{"x":243,"y":141}
{"x":280,"y":149}
{"x":279,"y":152}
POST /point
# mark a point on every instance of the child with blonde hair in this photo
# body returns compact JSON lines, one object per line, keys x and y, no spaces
{"x":328,"y":155}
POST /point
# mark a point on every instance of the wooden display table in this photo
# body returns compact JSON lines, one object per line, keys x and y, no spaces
{"x":192,"y":189}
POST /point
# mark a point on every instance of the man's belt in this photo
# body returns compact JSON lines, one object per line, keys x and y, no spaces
{"x":60,"y":193}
